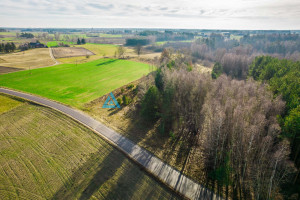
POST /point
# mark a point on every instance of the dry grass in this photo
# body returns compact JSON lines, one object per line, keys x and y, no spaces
{"x":65,"y":52}
{"x":8,"y":103}
{"x":33,"y":58}
{"x":100,"y":51}
{"x":46,"y":155}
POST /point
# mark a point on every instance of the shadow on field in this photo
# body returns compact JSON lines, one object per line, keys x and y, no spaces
{"x":107,"y":62}
{"x":112,"y":177}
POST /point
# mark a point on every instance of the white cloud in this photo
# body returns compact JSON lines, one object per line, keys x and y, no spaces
{"x":218,"y":14}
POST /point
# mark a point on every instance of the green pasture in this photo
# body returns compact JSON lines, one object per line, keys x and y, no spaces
{"x":56,"y":43}
{"x":74,"y":84}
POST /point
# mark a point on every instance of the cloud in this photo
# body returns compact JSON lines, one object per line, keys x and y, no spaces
{"x":233,"y":14}
{"x":101,"y":6}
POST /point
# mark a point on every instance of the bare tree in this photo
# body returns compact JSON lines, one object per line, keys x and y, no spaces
{"x":121,"y":51}
{"x":138,"y":49}
{"x":57,"y":36}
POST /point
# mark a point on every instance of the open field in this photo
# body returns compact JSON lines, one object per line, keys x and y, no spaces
{"x":65,"y":52}
{"x":56,"y":43}
{"x":164,"y":42}
{"x":33,"y":58}
{"x":100,"y":51}
{"x":110,"y":35}
{"x":46,"y":155}
{"x":76,"y":85}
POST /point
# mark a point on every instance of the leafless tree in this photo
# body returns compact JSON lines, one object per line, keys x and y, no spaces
{"x":138,"y":49}
{"x":121,"y":51}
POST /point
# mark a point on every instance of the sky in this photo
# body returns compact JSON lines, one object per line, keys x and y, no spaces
{"x":190,"y":14}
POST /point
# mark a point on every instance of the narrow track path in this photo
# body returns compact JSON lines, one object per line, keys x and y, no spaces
{"x":164,"y":172}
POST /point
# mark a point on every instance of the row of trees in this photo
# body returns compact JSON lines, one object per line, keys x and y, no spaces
{"x":82,"y":41}
{"x":8,"y":47}
{"x":233,"y":122}
{"x":26,"y":35}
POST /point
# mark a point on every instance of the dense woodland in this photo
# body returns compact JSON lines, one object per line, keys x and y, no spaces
{"x":244,"y":117}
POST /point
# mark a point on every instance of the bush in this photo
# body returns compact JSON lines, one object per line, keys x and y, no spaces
{"x":126,"y":100}
{"x":130,"y":86}
{"x":150,"y":104}
{"x":122,"y":90}
{"x":119,"y":100}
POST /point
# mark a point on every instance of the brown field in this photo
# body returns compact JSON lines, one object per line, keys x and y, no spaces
{"x":33,"y":58}
{"x":65,"y":52}
{"x":4,"y":70}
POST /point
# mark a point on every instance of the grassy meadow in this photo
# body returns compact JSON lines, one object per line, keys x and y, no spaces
{"x":55,"y":43}
{"x":74,"y":84}
{"x":46,"y":155}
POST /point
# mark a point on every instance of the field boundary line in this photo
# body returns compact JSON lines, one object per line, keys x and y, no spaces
{"x":165,"y":173}
{"x":51,"y":55}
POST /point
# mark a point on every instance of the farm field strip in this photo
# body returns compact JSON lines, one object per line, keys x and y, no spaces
{"x":65,"y":52}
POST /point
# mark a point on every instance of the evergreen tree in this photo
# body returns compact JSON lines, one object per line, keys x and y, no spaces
{"x":12,"y":46}
{"x":7,"y":47}
{"x":78,"y":41}
{"x":82,"y":41}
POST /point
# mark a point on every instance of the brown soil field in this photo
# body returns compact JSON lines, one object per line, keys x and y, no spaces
{"x":65,"y":52}
{"x":4,"y":70}
{"x":33,"y":58}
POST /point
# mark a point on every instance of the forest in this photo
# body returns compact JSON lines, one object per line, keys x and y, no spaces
{"x":244,"y":116}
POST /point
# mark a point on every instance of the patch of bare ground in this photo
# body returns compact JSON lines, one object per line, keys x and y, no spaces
{"x":65,"y":52}
{"x":5,"y":70}
{"x":128,"y":122}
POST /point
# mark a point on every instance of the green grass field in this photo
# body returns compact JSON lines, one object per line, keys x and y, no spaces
{"x":47,"y":155}
{"x":110,"y":35}
{"x":55,"y":43}
{"x":164,"y":42}
{"x":8,"y":103}
{"x":76,"y":85}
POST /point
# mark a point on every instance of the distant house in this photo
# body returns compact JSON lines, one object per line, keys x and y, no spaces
{"x":36,"y":45}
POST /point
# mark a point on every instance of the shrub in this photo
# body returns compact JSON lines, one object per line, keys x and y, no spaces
{"x":130,"y":86}
{"x":126,"y":100}
{"x":119,"y":100}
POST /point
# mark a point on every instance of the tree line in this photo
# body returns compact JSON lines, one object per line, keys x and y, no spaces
{"x":8,"y":47}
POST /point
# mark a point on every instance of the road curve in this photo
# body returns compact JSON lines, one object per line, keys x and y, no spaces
{"x":167,"y":174}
